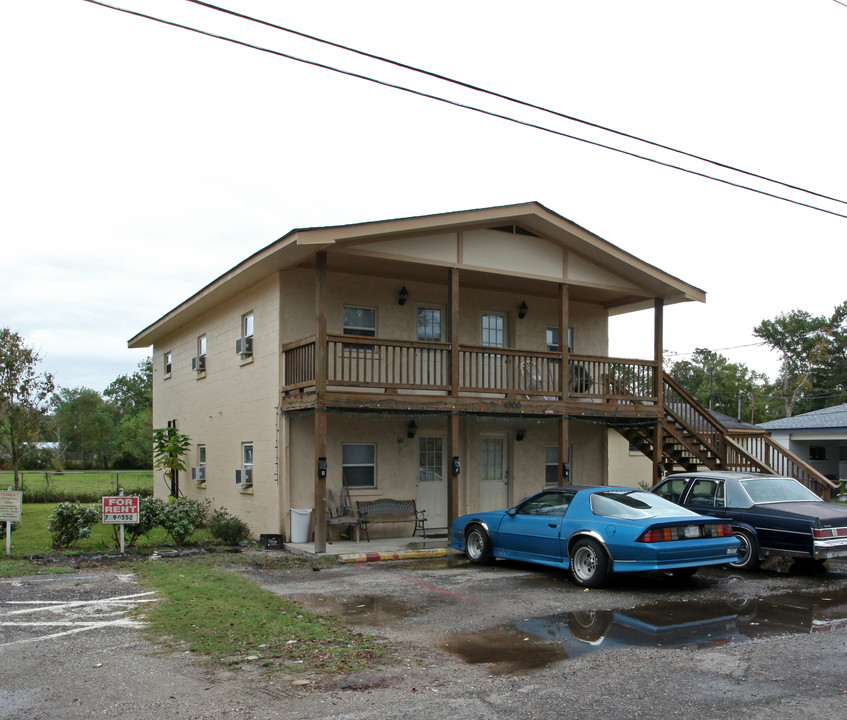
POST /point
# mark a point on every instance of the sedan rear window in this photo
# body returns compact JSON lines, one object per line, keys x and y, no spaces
{"x":634,"y":505}
{"x":777,"y":489}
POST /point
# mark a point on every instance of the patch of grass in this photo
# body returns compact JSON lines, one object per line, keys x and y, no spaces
{"x":32,"y":538}
{"x":85,"y":486}
{"x":227,"y":618}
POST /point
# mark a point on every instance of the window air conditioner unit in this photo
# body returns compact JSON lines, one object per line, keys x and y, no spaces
{"x":244,"y":476}
{"x":244,"y":346}
{"x":198,"y":474}
{"x":198,"y":363}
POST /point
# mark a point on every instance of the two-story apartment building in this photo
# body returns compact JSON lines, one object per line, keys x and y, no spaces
{"x":458,"y":359}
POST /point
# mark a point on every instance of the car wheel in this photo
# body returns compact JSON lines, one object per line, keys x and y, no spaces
{"x":589,"y":563}
{"x":748,"y":553}
{"x":478,"y":545}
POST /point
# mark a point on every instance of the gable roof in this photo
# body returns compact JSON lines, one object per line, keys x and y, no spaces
{"x":621,"y":281}
{"x":831,"y":418}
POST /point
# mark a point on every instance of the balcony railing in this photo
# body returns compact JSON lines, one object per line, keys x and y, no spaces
{"x":401,"y":365}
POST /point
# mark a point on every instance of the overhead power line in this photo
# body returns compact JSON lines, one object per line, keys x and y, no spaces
{"x":511,"y":99}
{"x":464,"y":106}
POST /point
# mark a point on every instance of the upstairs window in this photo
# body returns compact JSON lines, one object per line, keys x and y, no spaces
{"x":429,"y":324}
{"x":244,"y":344}
{"x":198,"y":363}
{"x":169,"y":358}
{"x":359,"y":321}
{"x":553,"y":339}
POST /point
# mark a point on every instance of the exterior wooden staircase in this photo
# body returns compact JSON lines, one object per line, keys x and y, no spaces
{"x":694,"y":439}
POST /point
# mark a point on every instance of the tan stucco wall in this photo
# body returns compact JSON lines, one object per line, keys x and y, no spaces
{"x":626,"y":468}
{"x":231,"y":403}
{"x":396,"y":457}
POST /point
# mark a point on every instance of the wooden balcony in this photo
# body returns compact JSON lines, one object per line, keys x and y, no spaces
{"x":525,"y":378}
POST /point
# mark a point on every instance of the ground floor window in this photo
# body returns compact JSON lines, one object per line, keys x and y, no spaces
{"x":430,"y":459}
{"x":358,"y":464}
{"x":552,"y":469}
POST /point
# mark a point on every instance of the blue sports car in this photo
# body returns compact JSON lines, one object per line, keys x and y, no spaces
{"x":596,"y":531}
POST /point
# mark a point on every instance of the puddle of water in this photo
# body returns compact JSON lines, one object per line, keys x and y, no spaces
{"x":506,"y":651}
{"x":526,"y":645}
{"x":369,"y":609}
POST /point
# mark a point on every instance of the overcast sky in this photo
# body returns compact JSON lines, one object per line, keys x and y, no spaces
{"x":141,"y":161}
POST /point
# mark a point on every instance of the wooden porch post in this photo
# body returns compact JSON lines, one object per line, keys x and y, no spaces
{"x":320,"y":413}
{"x":453,"y":480}
{"x":455,"y":379}
{"x":453,"y":310}
{"x":659,"y":391}
{"x":564,"y":381}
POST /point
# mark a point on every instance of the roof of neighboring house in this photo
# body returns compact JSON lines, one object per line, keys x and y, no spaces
{"x":830,"y":418}
{"x":730,"y":423}
{"x":632,"y":283}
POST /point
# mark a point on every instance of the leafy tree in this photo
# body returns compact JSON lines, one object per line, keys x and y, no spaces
{"x":133,"y":440}
{"x":24,"y":396}
{"x":86,"y":423}
{"x":132,"y":394}
{"x":169,"y":446}
{"x":718,"y":384}
{"x":804,"y":343}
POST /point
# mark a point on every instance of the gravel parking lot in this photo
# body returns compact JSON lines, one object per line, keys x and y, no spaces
{"x":507,"y":641}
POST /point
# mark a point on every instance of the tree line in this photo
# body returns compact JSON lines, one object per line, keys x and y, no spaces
{"x":42,"y":425}
{"x":812,"y":375}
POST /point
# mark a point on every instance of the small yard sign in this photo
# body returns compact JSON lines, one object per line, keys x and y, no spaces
{"x":121,"y":510}
{"x":11,"y":505}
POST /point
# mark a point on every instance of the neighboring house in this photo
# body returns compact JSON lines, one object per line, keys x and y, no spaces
{"x":819,"y":437}
{"x":414,"y":358}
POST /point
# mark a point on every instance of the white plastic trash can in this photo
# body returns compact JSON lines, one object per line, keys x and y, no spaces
{"x":300,"y":518}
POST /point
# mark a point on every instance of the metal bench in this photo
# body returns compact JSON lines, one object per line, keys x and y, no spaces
{"x":387,"y":510}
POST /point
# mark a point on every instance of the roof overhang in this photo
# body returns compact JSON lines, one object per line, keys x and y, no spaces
{"x":298,"y":248}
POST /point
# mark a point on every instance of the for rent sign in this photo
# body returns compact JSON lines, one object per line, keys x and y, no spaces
{"x":11,"y":502}
{"x":120,"y":510}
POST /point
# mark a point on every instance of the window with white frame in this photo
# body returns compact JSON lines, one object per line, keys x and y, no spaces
{"x":430,"y":458}
{"x":198,"y":362}
{"x":244,"y":345}
{"x":494,"y":330}
{"x":247,"y":456}
{"x":168,"y":360}
{"x":358,"y":465}
{"x":198,"y":474}
{"x":429,"y":324}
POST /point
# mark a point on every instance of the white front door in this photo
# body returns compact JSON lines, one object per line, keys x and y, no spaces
{"x":494,"y":479}
{"x":432,"y":486}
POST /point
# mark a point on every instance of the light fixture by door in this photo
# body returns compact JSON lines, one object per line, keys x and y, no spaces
{"x":403,"y":296}
{"x":413,"y":429}
{"x":522,"y":310}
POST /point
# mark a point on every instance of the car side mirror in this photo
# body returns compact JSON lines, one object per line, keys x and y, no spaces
{"x":513,"y":511}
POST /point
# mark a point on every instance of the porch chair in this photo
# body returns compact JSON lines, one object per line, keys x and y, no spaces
{"x":341,"y":514}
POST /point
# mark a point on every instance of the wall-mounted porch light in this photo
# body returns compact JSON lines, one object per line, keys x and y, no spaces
{"x":520,"y":435}
{"x":522,"y":310}
{"x":403,"y":296}
{"x":413,"y":429}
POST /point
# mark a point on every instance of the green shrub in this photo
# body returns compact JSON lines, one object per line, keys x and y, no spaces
{"x":228,"y":528}
{"x":151,"y":511}
{"x":182,"y":517}
{"x":70,"y":522}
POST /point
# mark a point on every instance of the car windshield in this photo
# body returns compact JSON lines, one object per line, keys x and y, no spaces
{"x":634,"y":505}
{"x":777,"y":489}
